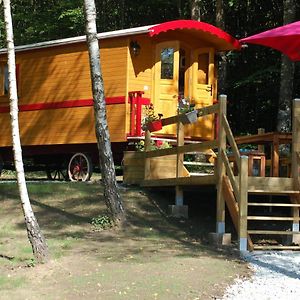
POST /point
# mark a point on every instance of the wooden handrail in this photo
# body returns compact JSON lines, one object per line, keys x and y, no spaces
{"x":208,"y":110}
{"x":201,"y":112}
{"x":234,"y":184}
{"x":181,"y":148}
{"x":232,"y":142}
{"x":239,"y":185}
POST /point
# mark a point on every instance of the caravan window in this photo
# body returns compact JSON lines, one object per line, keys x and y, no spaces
{"x":167,"y":63}
{"x":203,"y":65}
{"x":3,"y":80}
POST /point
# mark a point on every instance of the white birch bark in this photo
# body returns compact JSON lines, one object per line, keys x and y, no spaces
{"x":196,"y":10}
{"x":111,"y":192}
{"x":39,"y":246}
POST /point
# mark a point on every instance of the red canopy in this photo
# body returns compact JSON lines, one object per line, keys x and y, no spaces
{"x":284,"y":38}
{"x":203,"y":31}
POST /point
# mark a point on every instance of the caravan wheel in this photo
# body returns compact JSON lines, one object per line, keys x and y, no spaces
{"x":80,"y":167}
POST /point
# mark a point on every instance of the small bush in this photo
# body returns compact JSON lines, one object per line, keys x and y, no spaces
{"x":102,"y":222}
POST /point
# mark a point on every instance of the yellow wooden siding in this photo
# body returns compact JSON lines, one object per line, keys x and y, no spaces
{"x":62,"y":73}
{"x":140,"y":67}
{"x":44,"y":127}
{"x":65,"y":75}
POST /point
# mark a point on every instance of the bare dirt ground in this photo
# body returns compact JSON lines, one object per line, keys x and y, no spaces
{"x":152,"y":257}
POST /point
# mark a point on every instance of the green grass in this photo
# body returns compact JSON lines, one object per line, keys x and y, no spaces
{"x":64,"y":212}
{"x":154,"y":256}
{"x":9,"y":282}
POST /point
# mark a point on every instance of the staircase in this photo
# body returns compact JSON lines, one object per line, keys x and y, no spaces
{"x":272,"y":213}
{"x":264,"y":210}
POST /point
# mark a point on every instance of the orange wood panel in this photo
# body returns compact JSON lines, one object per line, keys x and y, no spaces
{"x":62,"y":73}
{"x":140,"y":68}
{"x":63,"y":126}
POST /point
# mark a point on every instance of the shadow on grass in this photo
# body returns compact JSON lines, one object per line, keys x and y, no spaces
{"x":65,"y":211}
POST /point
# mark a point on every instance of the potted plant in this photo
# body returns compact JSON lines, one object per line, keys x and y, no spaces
{"x":187,"y":111}
{"x":151,"y":122}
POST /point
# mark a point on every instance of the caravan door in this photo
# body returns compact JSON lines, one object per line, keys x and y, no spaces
{"x":166,"y":81}
{"x":203,"y":89}
{"x":203,"y":76}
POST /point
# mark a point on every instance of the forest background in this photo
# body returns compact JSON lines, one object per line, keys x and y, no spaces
{"x":252,"y":80}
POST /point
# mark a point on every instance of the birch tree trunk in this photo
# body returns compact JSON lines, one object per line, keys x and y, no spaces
{"x":196,"y":10}
{"x":35,"y":236}
{"x":284,"y":122}
{"x":111,"y":192}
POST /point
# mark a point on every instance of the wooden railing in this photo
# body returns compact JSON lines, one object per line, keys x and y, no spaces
{"x":239,"y":183}
{"x":225,"y":137}
{"x":180,"y":148}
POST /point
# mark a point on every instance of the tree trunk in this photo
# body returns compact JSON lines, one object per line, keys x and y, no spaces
{"x":286,"y":76}
{"x":196,"y":10}
{"x":222,"y":64}
{"x":35,"y":236}
{"x":220,"y":21}
{"x":111,"y":192}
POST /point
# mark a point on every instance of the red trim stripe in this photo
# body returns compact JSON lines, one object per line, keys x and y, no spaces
{"x":64,"y":104}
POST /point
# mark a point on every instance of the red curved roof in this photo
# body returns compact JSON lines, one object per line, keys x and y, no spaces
{"x":219,"y":38}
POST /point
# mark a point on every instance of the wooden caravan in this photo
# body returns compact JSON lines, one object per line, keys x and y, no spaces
{"x":150,"y":64}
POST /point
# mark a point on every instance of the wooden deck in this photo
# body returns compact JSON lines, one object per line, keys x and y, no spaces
{"x":183,"y":181}
{"x":234,"y":184}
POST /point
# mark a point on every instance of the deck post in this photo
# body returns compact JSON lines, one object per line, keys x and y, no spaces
{"x":147,"y":146}
{"x":261,"y":148}
{"x":275,"y":156}
{"x":295,"y":226}
{"x":296,"y":161}
{"x":243,"y":204}
{"x":180,"y":142}
{"x":178,"y":196}
{"x":220,"y":226}
{"x":296,"y":143}
{"x":179,"y":210}
{"x":179,"y":163}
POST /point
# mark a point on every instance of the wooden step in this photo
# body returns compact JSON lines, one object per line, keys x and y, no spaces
{"x":275,"y":247}
{"x":268,"y":185}
{"x":273,"y":192}
{"x":273,"y":204}
{"x":272,"y":218}
{"x":273,"y":232}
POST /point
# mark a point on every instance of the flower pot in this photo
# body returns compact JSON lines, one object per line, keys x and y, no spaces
{"x":154,"y":126}
{"x":189,"y":117}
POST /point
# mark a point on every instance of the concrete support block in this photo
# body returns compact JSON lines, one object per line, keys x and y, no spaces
{"x":292,"y":239}
{"x":178,"y":211}
{"x":296,"y":239}
{"x":219,"y":239}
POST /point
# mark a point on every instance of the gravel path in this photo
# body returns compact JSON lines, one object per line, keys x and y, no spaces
{"x":276,"y":276}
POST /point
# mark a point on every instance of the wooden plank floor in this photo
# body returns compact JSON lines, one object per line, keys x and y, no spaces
{"x":192,"y":180}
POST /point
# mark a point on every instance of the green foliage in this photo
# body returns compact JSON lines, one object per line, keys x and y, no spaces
{"x":31,"y":263}
{"x":150,"y":114}
{"x":140,"y":146}
{"x":185,"y":105}
{"x":102,"y":222}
